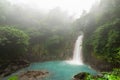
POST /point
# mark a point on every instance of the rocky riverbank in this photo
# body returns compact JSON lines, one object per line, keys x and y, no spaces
{"x":9,"y":68}
{"x":113,"y":75}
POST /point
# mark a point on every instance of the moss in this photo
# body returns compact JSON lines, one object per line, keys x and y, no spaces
{"x":13,"y":77}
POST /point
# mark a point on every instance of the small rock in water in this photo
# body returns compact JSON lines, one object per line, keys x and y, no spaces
{"x":80,"y":76}
{"x":33,"y":75}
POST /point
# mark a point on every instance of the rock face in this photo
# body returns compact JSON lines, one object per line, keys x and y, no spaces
{"x":11,"y":67}
{"x":80,"y":76}
{"x":33,"y":75}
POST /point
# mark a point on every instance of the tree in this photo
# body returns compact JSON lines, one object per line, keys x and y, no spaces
{"x":13,"y":43}
{"x":106,"y":42}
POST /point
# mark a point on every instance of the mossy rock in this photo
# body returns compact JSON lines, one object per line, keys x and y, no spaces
{"x":81,"y":76}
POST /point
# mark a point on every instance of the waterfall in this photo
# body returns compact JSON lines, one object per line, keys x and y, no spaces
{"x":77,"y":53}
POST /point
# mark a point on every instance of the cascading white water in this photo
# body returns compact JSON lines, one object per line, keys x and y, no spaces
{"x":77,"y":53}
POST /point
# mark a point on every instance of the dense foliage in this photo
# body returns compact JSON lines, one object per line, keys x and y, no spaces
{"x":114,"y":75}
{"x":51,"y":36}
{"x":13,"y":43}
{"x":101,"y":27}
{"x":106,"y":42}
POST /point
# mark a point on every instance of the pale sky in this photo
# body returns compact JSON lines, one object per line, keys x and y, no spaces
{"x":73,"y":7}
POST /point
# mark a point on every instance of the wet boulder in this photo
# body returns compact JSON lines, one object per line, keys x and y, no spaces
{"x":80,"y":76}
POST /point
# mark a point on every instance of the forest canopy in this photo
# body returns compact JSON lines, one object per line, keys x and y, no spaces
{"x":106,"y":40}
{"x":13,"y":43}
{"x":53,"y":34}
{"x":101,"y":27}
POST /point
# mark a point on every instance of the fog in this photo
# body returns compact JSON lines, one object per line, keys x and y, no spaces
{"x":47,"y":30}
{"x":72,"y":7}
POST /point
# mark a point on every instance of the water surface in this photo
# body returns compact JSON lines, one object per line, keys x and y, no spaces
{"x":59,"y":70}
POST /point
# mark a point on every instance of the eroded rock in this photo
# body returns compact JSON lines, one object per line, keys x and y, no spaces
{"x":33,"y":75}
